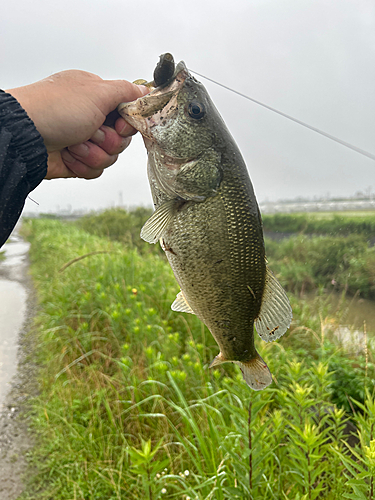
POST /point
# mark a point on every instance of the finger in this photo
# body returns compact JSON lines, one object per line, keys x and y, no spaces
{"x":109,"y":140}
{"x":124,"y":91}
{"x":123,"y":128}
{"x":78,"y":168}
{"x":93,"y":155}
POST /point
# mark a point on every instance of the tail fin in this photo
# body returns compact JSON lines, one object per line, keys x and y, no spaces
{"x":255,"y":373}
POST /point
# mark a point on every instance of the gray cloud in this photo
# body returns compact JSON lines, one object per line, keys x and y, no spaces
{"x":311,"y":59}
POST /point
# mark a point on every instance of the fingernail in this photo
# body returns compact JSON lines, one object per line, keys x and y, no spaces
{"x":80,"y":150}
{"x":126,"y":129}
{"x":98,"y":137}
{"x":144,"y":89}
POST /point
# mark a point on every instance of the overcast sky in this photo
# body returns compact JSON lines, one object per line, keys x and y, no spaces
{"x":312,"y":59}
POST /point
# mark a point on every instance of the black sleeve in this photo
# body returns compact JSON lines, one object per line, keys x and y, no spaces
{"x":23,"y":161}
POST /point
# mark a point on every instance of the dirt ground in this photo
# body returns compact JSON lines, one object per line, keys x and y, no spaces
{"x":15,"y":439}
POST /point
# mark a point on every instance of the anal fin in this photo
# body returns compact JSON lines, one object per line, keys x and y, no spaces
{"x":180,"y":304}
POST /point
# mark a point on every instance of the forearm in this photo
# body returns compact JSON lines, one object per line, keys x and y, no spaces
{"x":68,"y":107}
{"x":23,"y":161}
{"x":62,"y":115}
{"x":69,"y":110}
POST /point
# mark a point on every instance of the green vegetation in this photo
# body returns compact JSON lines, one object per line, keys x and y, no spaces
{"x":119,"y":225}
{"x":334,"y":224}
{"x":128,"y":408}
{"x":336,"y":263}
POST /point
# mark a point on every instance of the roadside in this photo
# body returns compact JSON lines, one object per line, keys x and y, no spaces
{"x":17,"y":368}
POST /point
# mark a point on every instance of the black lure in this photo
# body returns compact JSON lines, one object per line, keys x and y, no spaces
{"x":164,"y":69}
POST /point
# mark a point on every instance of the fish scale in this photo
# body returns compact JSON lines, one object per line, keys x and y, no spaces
{"x":219,"y":297}
{"x":208,"y":222}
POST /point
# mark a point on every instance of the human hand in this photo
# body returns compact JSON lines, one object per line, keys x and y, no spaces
{"x":69,"y":110}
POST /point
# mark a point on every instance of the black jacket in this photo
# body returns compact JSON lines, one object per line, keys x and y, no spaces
{"x":23,"y":162}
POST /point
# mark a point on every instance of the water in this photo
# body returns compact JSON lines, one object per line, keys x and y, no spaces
{"x":354,"y":316}
{"x":353,"y":312}
{"x":13,"y":297}
{"x":360,"y":311}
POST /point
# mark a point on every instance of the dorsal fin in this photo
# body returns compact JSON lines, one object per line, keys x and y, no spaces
{"x":275,"y":313}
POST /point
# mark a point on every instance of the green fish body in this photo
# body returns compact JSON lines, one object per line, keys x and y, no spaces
{"x":208,"y":222}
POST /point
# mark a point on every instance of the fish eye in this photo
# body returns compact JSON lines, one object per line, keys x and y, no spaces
{"x":196,"y":110}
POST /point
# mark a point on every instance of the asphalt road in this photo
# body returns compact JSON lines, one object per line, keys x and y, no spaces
{"x":17,"y":371}
{"x":13,"y":296}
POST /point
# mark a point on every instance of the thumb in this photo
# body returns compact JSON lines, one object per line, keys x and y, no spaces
{"x":124,"y":91}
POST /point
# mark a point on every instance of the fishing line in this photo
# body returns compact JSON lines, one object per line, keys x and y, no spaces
{"x":314,"y":129}
{"x":36,"y":203}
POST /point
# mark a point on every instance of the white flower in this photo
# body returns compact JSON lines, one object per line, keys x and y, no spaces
{"x":164,"y":491}
{"x":186,"y":473}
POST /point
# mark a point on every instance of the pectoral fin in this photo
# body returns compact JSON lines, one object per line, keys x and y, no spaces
{"x":275,"y":313}
{"x":180,"y":304}
{"x":159,"y":220}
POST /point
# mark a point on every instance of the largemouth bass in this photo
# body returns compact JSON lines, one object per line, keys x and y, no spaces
{"x":208,"y":222}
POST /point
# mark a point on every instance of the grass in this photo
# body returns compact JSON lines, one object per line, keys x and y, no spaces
{"x":333,"y":262}
{"x":341,"y":258}
{"x":119,"y":225}
{"x":333,"y":223}
{"x":128,"y":408}
{"x":343,"y":214}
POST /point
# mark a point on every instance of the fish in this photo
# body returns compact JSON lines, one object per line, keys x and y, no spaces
{"x":207,"y":220}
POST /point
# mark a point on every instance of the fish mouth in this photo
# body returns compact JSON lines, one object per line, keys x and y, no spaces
{"x":144,"y":113}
